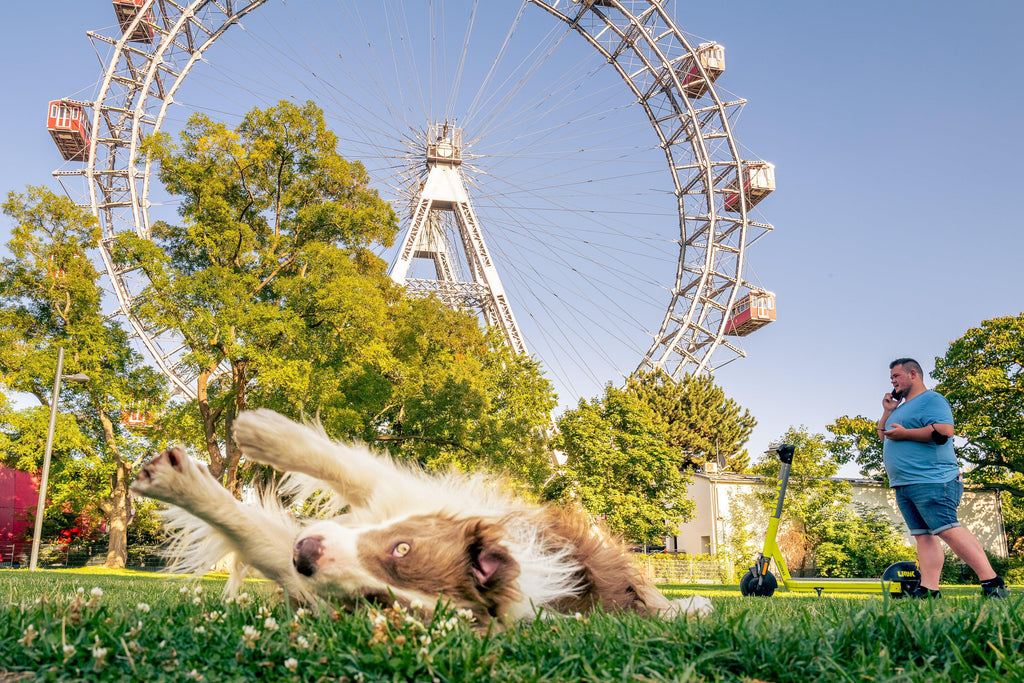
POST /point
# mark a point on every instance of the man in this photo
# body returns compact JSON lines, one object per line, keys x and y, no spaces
{"x":917,"y":432}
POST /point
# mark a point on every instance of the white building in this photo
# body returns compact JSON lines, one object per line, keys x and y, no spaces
{"x":723,"y":500}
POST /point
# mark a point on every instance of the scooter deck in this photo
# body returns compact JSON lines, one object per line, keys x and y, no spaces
{"x":818,"y":584}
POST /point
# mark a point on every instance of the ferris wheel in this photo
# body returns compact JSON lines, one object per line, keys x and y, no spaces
{"x":617,"y":202}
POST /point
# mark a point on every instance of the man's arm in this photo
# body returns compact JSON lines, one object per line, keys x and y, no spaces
{"x":922,"y":434}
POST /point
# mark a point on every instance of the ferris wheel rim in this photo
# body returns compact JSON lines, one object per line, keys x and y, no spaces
{"x":690,"y":345}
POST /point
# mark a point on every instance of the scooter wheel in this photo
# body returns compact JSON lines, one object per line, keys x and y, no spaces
{"x":749,"y":585}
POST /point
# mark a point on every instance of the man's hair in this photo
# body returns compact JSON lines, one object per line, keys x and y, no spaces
{"x":909,"y":364}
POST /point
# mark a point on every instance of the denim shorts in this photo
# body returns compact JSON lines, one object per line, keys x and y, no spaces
{"x":930,"y":508}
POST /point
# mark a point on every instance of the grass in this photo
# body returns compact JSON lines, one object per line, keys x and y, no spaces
{"x":145,"y":627}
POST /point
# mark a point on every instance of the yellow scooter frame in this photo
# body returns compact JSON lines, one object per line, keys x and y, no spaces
{"x":759,"y":581}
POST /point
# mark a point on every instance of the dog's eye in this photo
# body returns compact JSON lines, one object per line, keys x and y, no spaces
{"x":401,"y":550}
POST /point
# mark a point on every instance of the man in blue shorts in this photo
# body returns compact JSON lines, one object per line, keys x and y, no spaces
{"x":917,"y":433}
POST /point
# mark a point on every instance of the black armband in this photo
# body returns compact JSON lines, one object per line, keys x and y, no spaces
{"x":937,"y":438}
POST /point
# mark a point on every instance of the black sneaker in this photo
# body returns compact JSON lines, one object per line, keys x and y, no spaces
{"x":923,"y":593}
{"x":997,"y":589}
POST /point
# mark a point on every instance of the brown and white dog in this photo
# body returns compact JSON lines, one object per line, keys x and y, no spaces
{"x":404,"y":535}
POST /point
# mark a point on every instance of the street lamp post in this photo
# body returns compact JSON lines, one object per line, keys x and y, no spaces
{"x":44,"y":478}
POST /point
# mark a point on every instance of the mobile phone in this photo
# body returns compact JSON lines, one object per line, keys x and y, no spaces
{"x":897,"y":395}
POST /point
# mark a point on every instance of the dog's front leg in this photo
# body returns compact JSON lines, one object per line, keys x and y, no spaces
{"x":263,"y":540}
{"x":271,"y":438}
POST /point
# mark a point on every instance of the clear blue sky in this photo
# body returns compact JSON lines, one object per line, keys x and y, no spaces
{"x":895,"y":131}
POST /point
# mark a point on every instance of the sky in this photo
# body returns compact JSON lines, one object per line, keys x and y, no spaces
{"x":894,"y":129}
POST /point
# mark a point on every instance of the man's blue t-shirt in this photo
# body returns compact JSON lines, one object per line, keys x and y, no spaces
{"x":913,"y":462}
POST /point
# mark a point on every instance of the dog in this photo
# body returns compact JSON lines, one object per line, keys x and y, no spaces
{"x":382,"y":531}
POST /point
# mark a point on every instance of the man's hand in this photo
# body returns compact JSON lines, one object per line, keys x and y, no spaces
{"x":896,"y":432}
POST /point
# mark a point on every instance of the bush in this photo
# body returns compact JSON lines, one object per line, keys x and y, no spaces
{"x":860,"y":544}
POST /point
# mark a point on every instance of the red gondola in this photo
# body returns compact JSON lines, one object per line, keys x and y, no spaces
{"x":69,"y":126}
{"x":137,"y":420}
{"x":712,"y":57}
{"x":752,"y":312}
{"x":126,"y":11}
{"x":758,"y":181}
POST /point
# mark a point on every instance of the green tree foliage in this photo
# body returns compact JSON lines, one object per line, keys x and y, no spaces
{"x":856,"y":439}
{"x":700,"y":422}
{"x":812,"y":498}
{"x":269,"y":212}
{"x":981,"y":377}
{"x":619,"y":466}
{"x":50,"y":298}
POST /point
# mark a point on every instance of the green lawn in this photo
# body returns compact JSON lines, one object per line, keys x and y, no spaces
{"x":145,"y":627}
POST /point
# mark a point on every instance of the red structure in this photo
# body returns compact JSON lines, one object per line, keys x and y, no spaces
{"x":18,"y":496}
{"x":69,"y":126}
{"x":751,"y":313}
{"x":126,"y":11}
{"x":137,"y":420}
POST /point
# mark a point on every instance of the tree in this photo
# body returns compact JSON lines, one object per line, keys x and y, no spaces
{"x":812,"y":499}
{"x":270,"y":211}
{"x":856,"y":438}
{"x":51,"y":298}
{"x":700,"y":422}
{"x":619,"y":466}
{"x":270,"y":277}
{"x":981,"y":377}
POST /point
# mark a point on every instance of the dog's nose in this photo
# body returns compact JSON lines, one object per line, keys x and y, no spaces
{"x":306,"y":554}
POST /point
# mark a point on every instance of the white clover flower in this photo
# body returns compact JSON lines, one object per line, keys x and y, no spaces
{"x":213,"y":616}
{"x":197,"y":601}
{"x":142,"y":607}
{"x":183,"y":590}
{"x":416,"y":604}
{"x":68,"y":651}
{"x":194,"y":675}
{"x":201,"y":630}
{"x":379,"y":619}
{"x":250,"y":635}
{"x":96,"y":592}
{"x":302,"y":643}
{"x":423,"y":654}
{"x":302,"y":612}
{"x":243,"y":599}
{"x":270,"y":623}
{"x":291,"y":664}
{"x":197,"y":590}
{"x":99,"y":652}
{"x":230,"y":600}
{"x":578,"y":616}
{"x":466,"y":614}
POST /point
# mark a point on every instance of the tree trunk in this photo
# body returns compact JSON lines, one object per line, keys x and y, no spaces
{"x":118,"y":505}
{"x":209,"y":417}
{"x":239,"y":377}
{"x":118,"y":519}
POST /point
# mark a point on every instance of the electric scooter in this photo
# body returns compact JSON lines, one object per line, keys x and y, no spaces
{"x":898,"y":579}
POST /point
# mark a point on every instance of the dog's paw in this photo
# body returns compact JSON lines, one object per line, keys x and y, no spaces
{"x":268,"y":437}
{"x":171,"y":477}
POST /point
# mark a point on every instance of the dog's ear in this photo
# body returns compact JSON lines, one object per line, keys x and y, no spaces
{"x":492,"y":567}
